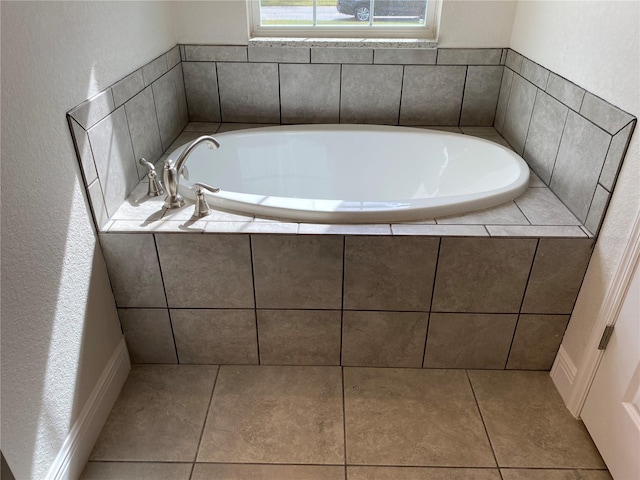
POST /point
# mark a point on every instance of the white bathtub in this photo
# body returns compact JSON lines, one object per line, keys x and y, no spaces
{"x":354,"y":173}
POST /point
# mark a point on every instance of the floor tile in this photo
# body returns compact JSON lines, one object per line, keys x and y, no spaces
{"x":136,"y":471}
{"x":159,"y":414}
{"x":223,"y":471}
{"x":546,"y":474}
{"x":413,"y":417}
{"x":413,"y":473}
{"x":528,"y":423}
{"x":275,"y":415}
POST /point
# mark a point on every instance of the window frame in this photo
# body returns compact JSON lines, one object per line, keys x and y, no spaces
{"x":428,"y":31}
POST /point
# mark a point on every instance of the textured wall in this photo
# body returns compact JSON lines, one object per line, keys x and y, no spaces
{"x":59,"y":323}
{"x":587,"y":42}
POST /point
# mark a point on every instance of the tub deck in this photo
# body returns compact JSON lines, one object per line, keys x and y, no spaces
{"x":537,"y":213}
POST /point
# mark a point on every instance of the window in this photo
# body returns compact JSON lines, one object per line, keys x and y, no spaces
{"x":344,"y":18}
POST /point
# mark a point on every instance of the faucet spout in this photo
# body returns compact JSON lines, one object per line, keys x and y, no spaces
{"x":172,"y":171}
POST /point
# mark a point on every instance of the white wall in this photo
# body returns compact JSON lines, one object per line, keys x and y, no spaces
{"x":59,"y":321}
{"x":464,"y":23}
{"x":596,"y":45}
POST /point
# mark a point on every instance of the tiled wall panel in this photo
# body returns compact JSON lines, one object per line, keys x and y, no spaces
{"x":138,"y":116}
{"x":513,"y":291}
{"x":572,"y":139}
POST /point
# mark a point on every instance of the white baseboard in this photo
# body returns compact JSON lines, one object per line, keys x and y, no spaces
{"x":563,"y":374}
{"x":77,"y":446}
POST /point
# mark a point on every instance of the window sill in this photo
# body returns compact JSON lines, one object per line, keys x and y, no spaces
{"x":343,"y":42}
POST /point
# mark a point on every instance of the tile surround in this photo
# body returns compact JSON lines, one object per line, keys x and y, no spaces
{"x":549,"y":218}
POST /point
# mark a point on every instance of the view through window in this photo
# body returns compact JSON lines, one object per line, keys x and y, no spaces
{"x":316,"y":16}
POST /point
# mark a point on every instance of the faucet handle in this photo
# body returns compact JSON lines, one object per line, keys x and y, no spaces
{"x":155,"y":187}
{"x":202,"y":207}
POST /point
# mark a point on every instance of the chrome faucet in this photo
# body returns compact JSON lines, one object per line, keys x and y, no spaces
{"x":172,"y":171}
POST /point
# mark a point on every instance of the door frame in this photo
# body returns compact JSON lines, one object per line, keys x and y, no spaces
{"x":574,"y":382}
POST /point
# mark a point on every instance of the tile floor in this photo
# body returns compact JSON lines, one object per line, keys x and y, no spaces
{"x":188,"y":422}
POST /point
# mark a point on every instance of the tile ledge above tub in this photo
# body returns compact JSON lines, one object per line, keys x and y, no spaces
{"x":343,"y":42}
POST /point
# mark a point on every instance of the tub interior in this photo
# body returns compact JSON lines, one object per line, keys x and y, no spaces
{"x":412,"y":163}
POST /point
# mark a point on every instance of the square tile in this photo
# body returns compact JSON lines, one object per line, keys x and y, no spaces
{"x":557,"y":274}
{"x":386,"y":273}
{"x":266,"y":472}
{"x":249,"y":92}
{"x":201,"y":86}
{"x":310,"y":93}
{"x":299,"y":337}
{"x":275,"y":415}
{"x":279,"y":54}
{"x":424,"y":473}
{"x":154,"y":70}
{"x":405,"y":56}
{"x":128,"y":87}
{"x":503,"y":99}
{"x":528,"y":424}
{"x":535,"y":73}
{"x":536,"y":342}
{"x":143,"y":127}
{"x":481,"y":91}
{"x":167,"y":109}
{"x":565,"y":91}
{"x":173,"y":57}
{"x":206,"y":271}
{"x":91,"y":111}
{"x":215,"y":336}
{"x":136,"y":471}
{"x":542,"y":207}
{"x":582,"y":153}
{"x":159,"y":414}
{"x":341,"y":55}
{"x":458,"y":340}
{"x":412,"y":417}
{"x":518,"y":113}
{"x":469,"y":56}
{"x":149,"y":335}
{"x":298,"y":271}
{"x":482,"y":275}
{"x":215,"y":53}
{"x":114,"y":159}
{"x":440,"y":230}
{"x":603,"y":114}
{"x":535,"y":231}
{"x":545,"y":132}
{"x":548,"y":474}
{"x":432,"y":95}
{"x":383,"y":339}
{"x":370,"y":94}
{"x":514,"y":60}
{"x":133,"y":268}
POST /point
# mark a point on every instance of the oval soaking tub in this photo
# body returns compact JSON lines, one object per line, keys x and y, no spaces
{"x":354,"y":173}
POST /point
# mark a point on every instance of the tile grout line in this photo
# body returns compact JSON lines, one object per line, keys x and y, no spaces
{"x":344,"y":248}
{"x":524,"y":296}
{"x":484,"y":425}
{"x":206,"y":417}
{"x":255,"y":306}
{"x":166,"y":300}
{"x":433,"y":291}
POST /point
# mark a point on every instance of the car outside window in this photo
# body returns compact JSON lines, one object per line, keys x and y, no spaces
{"x":344,"y":18}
